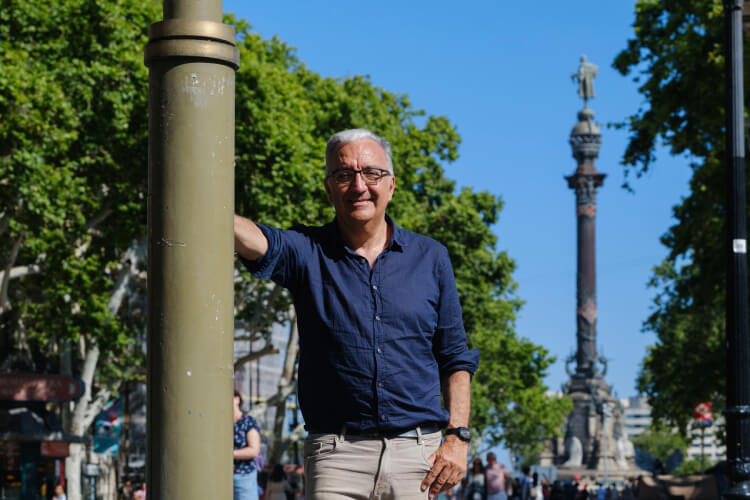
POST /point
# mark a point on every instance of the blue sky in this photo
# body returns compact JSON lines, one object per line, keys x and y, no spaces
{"x":500,"y":71}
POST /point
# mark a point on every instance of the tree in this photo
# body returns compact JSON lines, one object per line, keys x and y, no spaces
{"x":72,"y":191}
{"x":693,"y":466}
{"x":660,"y":442}
{"x":678,"y":51}
{"x":285,"y":114}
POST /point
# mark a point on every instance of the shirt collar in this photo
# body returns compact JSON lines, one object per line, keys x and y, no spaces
{"x":399,"y":237}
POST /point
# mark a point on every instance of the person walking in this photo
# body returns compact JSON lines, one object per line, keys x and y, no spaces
{"x":498,"y":479}
{"x":140,"y":493}
{"x":277,"y":487}
{"x":477,"y":484}
{"x":525,"y":482}
{"x":59,"y":493}
{"x":246,"y":448}
{"x":380,"y":333}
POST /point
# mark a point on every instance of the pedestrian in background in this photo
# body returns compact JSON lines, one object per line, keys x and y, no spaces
{"x":140,"y":493}
{"x":498,"y":479}
{"x":59,"y":493}
{"x":277,"y":487}
{"x":246,"y":448}
{"x":477,"y":485}
{"x":127,"y":490}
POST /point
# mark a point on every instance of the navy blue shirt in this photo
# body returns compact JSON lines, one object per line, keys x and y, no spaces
{"x":374,"y":343}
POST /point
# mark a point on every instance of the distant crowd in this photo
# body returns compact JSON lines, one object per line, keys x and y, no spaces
{"x":493,"y":482}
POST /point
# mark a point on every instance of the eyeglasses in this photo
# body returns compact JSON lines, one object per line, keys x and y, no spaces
{"x":370,"y":175}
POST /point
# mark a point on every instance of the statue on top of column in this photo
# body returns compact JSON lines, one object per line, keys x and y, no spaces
{"x":586,"y":73}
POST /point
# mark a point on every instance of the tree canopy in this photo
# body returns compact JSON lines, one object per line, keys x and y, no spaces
{"x":286,"y":113}
{"x":72,"y":195}
{"x":677,"y":57}
{"x":73,"y":180}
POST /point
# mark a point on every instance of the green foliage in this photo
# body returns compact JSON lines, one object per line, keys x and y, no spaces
{"x":72,"y":168}
{"x":693,"y":466}
{"x":660,"y":441}
{"x":678,"y":52}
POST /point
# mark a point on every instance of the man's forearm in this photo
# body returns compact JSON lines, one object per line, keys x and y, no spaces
{"x":457,"y":394}
{"x":249,"y":240}
{"x":449,"y":461}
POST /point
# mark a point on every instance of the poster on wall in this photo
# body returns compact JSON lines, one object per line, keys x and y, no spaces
{"x":107,"y":429}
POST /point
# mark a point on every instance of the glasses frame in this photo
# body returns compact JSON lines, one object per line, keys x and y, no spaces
{"x":383,"y":172}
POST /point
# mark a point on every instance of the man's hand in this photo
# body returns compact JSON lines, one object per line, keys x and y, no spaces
{"x":448,"y":466}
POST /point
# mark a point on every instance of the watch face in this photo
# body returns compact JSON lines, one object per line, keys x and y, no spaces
{"x":464,"y":434}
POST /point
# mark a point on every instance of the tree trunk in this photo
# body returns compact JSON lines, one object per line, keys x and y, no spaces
{"x":286,"y":384}
{"x":85,"y":411}
{"x":107,"y":481}
{"x":73,"y":471}
{"x":87,"y":407}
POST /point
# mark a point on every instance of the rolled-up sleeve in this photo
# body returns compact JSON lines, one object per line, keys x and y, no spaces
{"x":267,"y":266}
{"x":449,"y":345}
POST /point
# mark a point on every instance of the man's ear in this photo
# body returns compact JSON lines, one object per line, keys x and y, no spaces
{"x":328,"y":190}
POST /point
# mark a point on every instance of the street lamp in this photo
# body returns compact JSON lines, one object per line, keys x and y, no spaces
{"x":737,"y":345}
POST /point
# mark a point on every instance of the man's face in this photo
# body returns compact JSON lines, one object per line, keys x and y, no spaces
{"x":357,"y":202}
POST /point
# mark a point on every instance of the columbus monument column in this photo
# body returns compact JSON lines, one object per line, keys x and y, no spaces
{"x":585,"y":140}
{"x":595,"y":444}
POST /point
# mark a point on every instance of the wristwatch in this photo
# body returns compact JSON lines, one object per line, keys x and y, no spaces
{"x":462,"y":433}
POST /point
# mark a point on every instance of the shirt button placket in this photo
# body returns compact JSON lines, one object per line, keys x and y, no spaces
{"x":379,"y":333}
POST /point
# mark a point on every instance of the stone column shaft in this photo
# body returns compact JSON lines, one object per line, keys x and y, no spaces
{"x":586,"y":312}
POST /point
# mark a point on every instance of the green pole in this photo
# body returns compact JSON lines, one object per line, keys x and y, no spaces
{"x":192,"y":61}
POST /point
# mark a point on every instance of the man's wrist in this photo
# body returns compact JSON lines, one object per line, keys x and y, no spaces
{"x":461,"y":433}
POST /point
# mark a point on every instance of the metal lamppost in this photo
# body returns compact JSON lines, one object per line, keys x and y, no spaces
{"x":738,"y":360}
{"x":192,"y":61}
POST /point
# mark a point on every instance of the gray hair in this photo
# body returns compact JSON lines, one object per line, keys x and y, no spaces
{"x":357,"y":134}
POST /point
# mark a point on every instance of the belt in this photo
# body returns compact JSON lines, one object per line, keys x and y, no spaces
{"x":416,"y":432}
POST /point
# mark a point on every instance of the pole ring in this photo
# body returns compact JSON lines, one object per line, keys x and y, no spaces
{"x":191,"y":28}
{"x":187,"y":38}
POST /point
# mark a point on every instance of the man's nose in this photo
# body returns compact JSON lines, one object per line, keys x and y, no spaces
{"x":358,"y":183}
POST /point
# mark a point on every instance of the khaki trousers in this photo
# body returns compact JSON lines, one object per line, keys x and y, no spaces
{"x":339,"y":467}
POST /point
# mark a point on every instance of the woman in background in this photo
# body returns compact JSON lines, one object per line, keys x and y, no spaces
{"x":477,"y":485}
{"x":246,"y":448}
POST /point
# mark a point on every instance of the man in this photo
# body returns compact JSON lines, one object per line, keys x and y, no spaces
{"x":380,"y":335}
{"x":526,"y":483}
{"x":498,"y":479}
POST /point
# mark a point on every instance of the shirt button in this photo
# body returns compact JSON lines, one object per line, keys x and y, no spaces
{"x":380,"y":351}
{"x":380,"y":384}
{"x":382,"y":417}
{"x":374,"y":287}
{"x":377,"y":318}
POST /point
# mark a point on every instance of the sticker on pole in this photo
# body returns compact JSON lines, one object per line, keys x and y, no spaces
{"x":702,"y":414}
{"x":739,"y":246}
